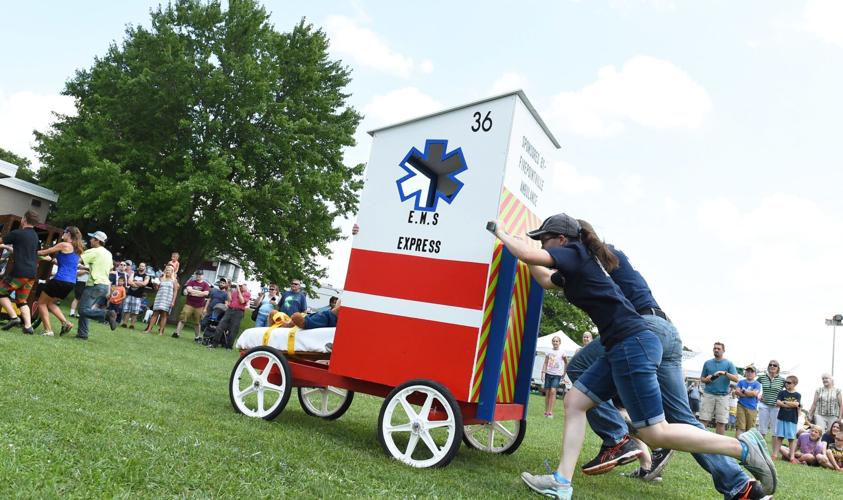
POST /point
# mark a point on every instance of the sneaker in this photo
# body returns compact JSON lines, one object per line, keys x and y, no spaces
{"x":661,"y":456}
{"x":79,"y":337}
{"x":175,"y":335}
{"x":11,"y":324}
{"x":65,"y":328}
{"x":112,"y":320}
{"x":124,"y":325}
{"x":548,"y":486}
{"x":758,"y":461}
{"x":29,"y":331}
{"x":72,"y":314}
{"x":643,"y":474}
{"x":610,"y":456}
{"x":752,"y":491}
{"x":47,"y":334}
{"x":36,"y":322}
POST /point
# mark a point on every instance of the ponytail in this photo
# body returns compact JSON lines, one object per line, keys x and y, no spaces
{"x":597,"y":247}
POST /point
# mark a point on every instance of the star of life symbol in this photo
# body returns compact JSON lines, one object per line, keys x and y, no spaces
{"x":431,"y":175}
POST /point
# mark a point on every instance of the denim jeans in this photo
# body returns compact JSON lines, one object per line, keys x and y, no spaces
{"x":90,"y":296}
{"x":727,"y":475}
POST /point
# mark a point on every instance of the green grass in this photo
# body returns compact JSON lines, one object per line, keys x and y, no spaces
{"x":126,"y":415}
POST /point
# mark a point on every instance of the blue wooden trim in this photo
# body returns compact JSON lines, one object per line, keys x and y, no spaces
{"x":497,"y":337}
{"x":528,"y":344}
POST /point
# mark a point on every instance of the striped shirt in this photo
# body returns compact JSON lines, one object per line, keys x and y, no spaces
{"x":770,"y":388}
{"x":828,"y":401}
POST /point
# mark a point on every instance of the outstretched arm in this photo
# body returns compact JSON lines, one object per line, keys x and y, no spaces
{"x":522,"y":250}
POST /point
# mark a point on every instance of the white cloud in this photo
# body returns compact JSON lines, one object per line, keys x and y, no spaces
{"x":370,"y":50}
{"x":566,"y":179}
{"x":508,"y":81}
{"x":25,"y":111}
{"x":824,"y":18}
{"x":632,"y":187}
{"x":646,"y":91}
{"x":399,"y":105}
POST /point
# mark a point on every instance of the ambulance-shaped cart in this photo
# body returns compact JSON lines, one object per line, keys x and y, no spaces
{"x":437,"y":317}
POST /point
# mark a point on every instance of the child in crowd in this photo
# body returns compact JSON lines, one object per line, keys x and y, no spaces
{"x":788,"y":402}
{"x":748,"y":390}
{"x":117,"y":296}
{"x":835,"y":452}
{"x":174,"y":261}
{"x":553,"y":370}
{"x":810,"y":450}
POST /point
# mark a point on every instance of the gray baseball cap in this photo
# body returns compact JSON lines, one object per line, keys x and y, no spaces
{"x":562,"y":224}
{"x":98,"y":235}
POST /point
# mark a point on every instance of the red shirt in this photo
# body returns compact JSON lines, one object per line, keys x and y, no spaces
{"x":235,"y":300}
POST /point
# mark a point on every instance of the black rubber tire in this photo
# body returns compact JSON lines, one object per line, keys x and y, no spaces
{"x":522,"y":431}
{"x":333,"y":416}
{"x":285,"y":368}
{"x":449,"y":398}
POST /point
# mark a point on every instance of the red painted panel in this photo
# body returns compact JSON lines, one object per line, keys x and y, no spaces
{"x":391,"y":350}
{"x":423,"y":279}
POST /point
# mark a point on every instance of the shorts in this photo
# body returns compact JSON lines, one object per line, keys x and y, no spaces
{"x":132,"y":305}
{"x":629,"y":369}
{"x":715,"y":407}
{"x":21,"y":287}
{"x":552,"y":381}
{"x":58,"y":289}
{"x":78,"y":288}
{"x":191,"y":314}
{"x":785,"y":430}
{"x":745,"y":418}
{"x":767,"y":416}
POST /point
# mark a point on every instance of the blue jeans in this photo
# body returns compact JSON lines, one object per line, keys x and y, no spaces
{"x":90,"y":296}
{"x":262,"y":320}
{"x":727,"y":475}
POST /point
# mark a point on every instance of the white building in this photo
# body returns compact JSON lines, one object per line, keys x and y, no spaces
{"x":17,"y":196}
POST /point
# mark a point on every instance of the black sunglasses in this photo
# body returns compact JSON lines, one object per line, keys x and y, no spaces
{"x":789,"y":383}
{"x":774,"y":366}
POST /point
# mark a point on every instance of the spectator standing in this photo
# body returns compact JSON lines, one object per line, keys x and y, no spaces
{"x":23,"y":243}
{"x":116,"y":298}
{"x":134,"y":296}
{"x":229,"y":326}
{"x":293,"y":300}
{"x":694,"y":397}
{"x":716,"y":374}
{"x":553,"y":370}
{"x":586,"y":338}
{"x":68,"y":252}
{"x":771,"y":384}
{"x":266,"y":303}
{"x":165,"y":299}
{"x":788,"y":402}
{"x":828,"y":404}
{"x":118,"y":272}
{"x":197,"y":291}
{"x":98,"y":262}
{"x":748,"y":390}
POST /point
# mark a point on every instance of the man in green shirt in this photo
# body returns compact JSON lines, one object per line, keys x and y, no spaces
{"x":97,"y":261}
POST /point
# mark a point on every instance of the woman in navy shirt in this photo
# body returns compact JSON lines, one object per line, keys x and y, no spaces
{"x":577,"y":261}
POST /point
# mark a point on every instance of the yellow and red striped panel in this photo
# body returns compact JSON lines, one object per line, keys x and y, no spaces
{"x":517,"y":220}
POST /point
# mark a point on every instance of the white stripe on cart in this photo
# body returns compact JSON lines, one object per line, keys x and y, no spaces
{"x":413,"y":309}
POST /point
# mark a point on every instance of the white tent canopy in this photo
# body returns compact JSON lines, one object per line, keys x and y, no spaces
{"x":569,"y":347}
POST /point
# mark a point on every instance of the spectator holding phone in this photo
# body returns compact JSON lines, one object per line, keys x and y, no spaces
{"x":717,"y":373}
{"x":267,"y":302}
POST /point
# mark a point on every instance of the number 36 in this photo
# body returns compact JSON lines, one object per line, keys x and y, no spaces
{"x":485,"y":125}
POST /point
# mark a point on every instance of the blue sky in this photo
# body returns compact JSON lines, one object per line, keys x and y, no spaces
{"x":700,"y":137}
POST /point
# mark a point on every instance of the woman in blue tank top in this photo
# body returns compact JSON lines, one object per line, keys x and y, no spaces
{"x":67,"y":252}
{"x":577,"y":261}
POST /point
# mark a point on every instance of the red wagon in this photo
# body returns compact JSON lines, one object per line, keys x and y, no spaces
{"x":437,"y":317}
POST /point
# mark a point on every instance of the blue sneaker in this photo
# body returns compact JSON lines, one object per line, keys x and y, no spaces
{"x":758,"y":461}
{"x":548,"y":486}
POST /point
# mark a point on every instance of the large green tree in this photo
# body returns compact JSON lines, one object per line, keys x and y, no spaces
{"x":209,"y":133}
{"x":559,"y":314}
{"x":24,"y":171}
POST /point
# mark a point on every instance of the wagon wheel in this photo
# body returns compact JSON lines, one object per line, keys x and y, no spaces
{"x":496,"y":437}
{"x":420,"y":424}
{"x":328,"y":402}
{"x":260,"y":383}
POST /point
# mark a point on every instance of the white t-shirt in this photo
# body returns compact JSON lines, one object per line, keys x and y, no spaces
{"x":554,"y":364}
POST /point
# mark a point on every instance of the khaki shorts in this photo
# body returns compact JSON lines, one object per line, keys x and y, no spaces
{"x":715,"y":408}
{"x":190,"y":314}
{"x":745,"y":418}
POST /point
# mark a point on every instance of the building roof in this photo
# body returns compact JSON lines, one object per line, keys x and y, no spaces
{"x":519,"y":93}
{"x":7,"y":169}
{"x":29,"y":188}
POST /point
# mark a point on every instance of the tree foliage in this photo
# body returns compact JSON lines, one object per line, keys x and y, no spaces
{"x":210,"y":133}
{"x":559,"y":314}
{"x":24,"y":172}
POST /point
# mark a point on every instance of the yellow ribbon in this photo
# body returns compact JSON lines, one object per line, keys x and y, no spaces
{"x":291,"y":341}
{"x":276,"y":319}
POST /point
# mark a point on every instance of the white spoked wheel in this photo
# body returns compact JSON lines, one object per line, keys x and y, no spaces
{"x":260,"y":383}
{"x":420,"y":424}
{"x":325,"y":402}
{"x":496,"y":437}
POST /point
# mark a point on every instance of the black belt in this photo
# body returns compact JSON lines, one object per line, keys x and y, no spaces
{"x":653,"y":311}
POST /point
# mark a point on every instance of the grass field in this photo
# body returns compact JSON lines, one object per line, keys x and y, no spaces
{"x":126,"y":415}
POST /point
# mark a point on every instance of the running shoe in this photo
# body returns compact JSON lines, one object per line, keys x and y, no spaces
{"x":65,"y":328}
{"x":11,"y":324}
{"x":29,"y":331}
{"x":112,"y":320}
{"x":752,"y":491}
{"x":47,"y":333}
{"x":661,"y":456}
{"x":758,"y":461}
{"x":611,"y":456}
{"x":642,"y":474}
{"x":548,"y":486}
